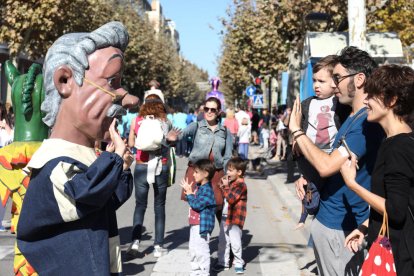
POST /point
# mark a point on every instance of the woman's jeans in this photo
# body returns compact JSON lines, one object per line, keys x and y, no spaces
{"x":141,"y":200}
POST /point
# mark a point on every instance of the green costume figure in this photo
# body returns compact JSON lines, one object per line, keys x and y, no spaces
{"x":27,"y":96}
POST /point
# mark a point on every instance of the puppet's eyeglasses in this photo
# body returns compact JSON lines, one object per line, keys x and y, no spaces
{"x":115,"y":97}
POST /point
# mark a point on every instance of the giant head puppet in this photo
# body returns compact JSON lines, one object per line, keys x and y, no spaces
{"x":27,"y":95}
{"x":68,"y":221}
{"x":82,"y":80}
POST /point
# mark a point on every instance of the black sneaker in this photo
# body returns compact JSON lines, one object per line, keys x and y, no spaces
{"x":219,"y":267}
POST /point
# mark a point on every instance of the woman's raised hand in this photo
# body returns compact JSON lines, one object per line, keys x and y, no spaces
{"x":348,"y":171}
{"x":173,"y":134}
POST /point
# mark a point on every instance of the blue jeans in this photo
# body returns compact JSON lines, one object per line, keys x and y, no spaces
{"x":243,"y":151}
{"x":181,"y":146}
{"x":141,"y":200}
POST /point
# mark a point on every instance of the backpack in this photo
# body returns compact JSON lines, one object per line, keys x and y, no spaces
{"x":149,"y":134}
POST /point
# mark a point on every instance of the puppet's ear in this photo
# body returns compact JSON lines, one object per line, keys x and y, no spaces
{"x":64,"y":80}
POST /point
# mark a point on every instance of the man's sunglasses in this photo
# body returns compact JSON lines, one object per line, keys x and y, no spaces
{"x":207,"y":109}
{"x":337,"y":78}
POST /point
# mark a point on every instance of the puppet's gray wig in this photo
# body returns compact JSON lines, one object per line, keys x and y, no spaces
{"x":73,"y":50}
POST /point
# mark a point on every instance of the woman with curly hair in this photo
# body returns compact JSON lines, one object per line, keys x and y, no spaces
{"x":151,"y":169}
{"x":390,"y":102}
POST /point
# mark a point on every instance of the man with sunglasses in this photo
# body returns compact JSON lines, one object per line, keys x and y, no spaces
{"x":340,"y":209}
{"x":67,"y":225}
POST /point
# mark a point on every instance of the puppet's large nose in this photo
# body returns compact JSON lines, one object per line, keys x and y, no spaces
{"x":130,"y":101}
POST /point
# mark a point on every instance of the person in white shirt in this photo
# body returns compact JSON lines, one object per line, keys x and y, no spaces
{"x":244,"y":138}
{"x":240,"y":114}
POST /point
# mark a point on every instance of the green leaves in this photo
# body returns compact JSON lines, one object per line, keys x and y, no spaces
{"x":260,"y":35}
{"x":30,"y":27}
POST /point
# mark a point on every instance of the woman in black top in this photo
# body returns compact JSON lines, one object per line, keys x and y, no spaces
{"x":390,"y":102}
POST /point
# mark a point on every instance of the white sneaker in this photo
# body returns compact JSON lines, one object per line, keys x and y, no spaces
{"x":133,"y":247}
{"x":159,"y":251}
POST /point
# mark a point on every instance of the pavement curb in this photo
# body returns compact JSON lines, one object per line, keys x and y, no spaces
{"x":286,"y":194}
{"x":289,"y":200}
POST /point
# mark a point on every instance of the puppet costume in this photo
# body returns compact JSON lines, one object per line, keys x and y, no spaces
{"x":68,"y":221}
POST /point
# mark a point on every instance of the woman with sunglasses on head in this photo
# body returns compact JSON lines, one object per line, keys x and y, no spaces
{"x":390,"y":102}
{"x":212,"y":141}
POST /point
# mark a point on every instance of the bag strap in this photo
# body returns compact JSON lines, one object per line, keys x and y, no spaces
{"x":360,"y":113}
{"x":195,"y":132}
{"x":411,"y":213}
{"x":245,"y":131}
{"x":384,"y":227}
{"x":136,"y":125}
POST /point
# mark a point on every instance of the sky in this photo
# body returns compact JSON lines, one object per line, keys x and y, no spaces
{"x":199,"y":43}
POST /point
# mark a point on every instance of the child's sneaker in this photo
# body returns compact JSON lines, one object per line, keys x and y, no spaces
{"x":219,"y":267}
{"x":159,"y":251}
{"x":239,"y":270}
{"x":133,"y":247}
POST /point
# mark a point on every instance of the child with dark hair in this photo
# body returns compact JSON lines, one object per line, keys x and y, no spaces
{"x":201,"y":216}
{"x":234,"y":214}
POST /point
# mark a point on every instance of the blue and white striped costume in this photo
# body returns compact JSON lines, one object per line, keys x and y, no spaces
{"x":68,"y":221}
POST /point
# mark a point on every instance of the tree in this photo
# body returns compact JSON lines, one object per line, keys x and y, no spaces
{"x":396,"y":16}
{"x":261,"y":36}
{"x":29,"y":27}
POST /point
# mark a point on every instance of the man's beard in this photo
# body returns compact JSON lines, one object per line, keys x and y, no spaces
{"x":116,"y":110}
{"x":351,"y":88}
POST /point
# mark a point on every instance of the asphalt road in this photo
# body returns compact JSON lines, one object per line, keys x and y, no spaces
{"x":270,"y":245}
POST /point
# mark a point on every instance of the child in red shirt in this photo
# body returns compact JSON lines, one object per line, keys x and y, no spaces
{"x":234,"y":214}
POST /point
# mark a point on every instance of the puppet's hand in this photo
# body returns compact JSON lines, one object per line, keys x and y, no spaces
{"x":119,"y":144}
{"x":128,"y":159}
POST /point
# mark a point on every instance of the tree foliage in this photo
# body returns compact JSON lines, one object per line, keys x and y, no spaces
{"x":30,"y":27}
{"x":265,"y":37}
{"x":396,"y":16}
{"x":261,"y":35}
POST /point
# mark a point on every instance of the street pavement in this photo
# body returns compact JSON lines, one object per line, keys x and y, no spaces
{"x":271,"y":246}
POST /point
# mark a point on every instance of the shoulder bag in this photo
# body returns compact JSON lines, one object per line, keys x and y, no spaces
{"x":380,"y":260}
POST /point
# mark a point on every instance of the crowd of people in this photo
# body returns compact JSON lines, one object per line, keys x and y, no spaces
{"x":6,"y":138}
{"x":353,"y":143}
